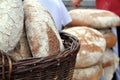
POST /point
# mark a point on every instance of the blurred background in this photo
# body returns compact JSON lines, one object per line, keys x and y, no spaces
{"x":83,"y":4}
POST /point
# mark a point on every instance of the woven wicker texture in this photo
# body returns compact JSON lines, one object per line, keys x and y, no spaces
{"x":55,"y":67}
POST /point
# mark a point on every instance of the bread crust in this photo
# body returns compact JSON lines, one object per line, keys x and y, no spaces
{"x":22,"y":49}
{"x":109,"y":58}
{"x":110,"y":37}
{"x":92,"y":46}
{"x":11,"y":25}
{"x":90,"y":73}
{"x":94,"y":18}
{"x":110,"y":70}
{"x":43,"y":36}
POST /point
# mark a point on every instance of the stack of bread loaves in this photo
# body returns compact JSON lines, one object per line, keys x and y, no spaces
{"x":37,"y":37}
{"x":102,"y":21}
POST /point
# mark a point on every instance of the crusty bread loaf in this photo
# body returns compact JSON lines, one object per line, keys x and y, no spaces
{"x":109,"y":36}
{"x":11,"y":23}
{"x":22,"y":50}
{"x":92,"y":45}
{"x":90,"y":73}
{"x":109,"y":71}
{"x":94,"y":18}
{"x":109,"y":58}
{"x":42,"y":33}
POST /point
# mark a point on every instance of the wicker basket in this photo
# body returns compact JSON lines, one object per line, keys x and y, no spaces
{"x":56,"y":67}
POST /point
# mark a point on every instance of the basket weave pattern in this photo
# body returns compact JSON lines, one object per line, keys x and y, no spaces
{"x":55,"y":67}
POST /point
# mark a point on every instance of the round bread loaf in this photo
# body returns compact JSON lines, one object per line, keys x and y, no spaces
{"x":94,"y":18}
{"x":92,"y":45}
{"x":110,"y":70}
{"x":43,"y":36}
{"x":109,"y":58}
{"x":110,"y":37}
{"x":90,"y":73}
{"x":11,"y":23}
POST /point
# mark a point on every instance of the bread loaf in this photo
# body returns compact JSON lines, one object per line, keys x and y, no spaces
{"x":90,"y":73}
{"x":11,"y":23}
{"x":22,"y":50}
{"x":94,"y":18}
{"x":109,"y":36}
{"x":109,"y":58}
{"x":42,"y":33}
{"x":110,"y":70}
{"x":92,"y":45}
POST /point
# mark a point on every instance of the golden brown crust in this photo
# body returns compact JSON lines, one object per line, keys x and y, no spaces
{"x":110,"y":38}
{"x":53,"y":41}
